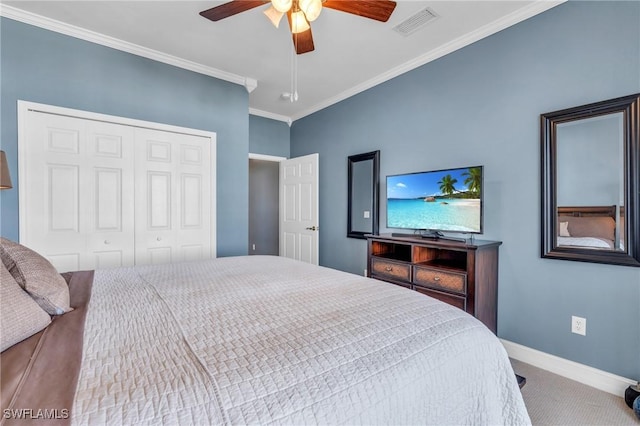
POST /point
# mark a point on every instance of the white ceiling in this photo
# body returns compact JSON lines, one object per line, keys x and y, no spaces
{"x":351,"y":53}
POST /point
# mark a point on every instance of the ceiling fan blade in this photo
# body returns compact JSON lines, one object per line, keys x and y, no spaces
{"x":231,"y":8}
{"x":380,"y":10}
{"x":302,"y":41}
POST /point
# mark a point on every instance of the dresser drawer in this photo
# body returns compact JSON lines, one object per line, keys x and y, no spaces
{"x":439,"y":279}
{"x":387,"y":269}
{"x":457,"y":301}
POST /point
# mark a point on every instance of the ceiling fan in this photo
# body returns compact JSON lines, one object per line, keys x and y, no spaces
{"x":301,"y":12}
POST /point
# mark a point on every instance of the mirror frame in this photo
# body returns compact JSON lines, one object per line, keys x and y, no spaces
{"x":629,"y":106}
{"x":375,"y":193}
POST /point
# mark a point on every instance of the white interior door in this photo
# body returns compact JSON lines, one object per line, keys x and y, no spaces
{"x":299,"y":223}
{"x":72,"y":186}
{"x":173,"y":197}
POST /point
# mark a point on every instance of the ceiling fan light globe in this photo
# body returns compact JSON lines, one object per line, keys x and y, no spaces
{"x":311,"y":8}
{"x":299,"y":23}
{"x":274,"y":16}
{"x":282,"y":5}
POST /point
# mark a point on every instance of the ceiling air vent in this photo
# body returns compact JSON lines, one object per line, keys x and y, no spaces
{"x":415,"y":22}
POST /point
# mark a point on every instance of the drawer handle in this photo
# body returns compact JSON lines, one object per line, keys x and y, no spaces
{"x":107,"y":242}
{"x":388,"y":269}
{"x":436,"y":278}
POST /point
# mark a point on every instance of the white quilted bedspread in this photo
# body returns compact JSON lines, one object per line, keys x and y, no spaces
{"x":261,"y":340}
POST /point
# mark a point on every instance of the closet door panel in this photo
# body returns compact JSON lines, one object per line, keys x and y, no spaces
{"x":110,"y":162}
{"x":173,"y":197}
{"x":155,"y":202}
{"x":159,"y":255}
{"x":79,"y":175}
{"x":194,"y":189}
{"x":63,"y":204}
{"x":54,"y":163}
{"x":108,"y":198}
{"x":191,"y":201}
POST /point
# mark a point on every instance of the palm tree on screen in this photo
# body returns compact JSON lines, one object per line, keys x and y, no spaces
{"x":473,"y":179}
{"x":447,"y":184}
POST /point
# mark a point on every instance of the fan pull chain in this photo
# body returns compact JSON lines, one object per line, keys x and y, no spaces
{"x":294,"y":72}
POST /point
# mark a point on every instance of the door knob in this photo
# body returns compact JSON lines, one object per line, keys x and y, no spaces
{"x":313,"y":228}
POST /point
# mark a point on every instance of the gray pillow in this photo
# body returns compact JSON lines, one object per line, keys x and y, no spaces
{"x":20,"y":316}
{"x":37,"y":276}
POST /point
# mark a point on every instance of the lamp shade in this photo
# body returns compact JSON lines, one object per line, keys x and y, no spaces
{"x":299,"y":23}
{"x":5,"y":178}
{"x":274,"y":16}
{"x":282,"y":5}
{"x":311,"y":8}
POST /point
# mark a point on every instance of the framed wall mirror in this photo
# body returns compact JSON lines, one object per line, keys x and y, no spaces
{"x":591,"y":183}
{"x":363,"y":193}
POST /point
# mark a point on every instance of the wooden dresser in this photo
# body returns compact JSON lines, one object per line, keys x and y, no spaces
{"x":463,"y":274}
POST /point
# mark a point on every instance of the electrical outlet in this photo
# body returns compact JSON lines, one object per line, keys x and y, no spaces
{"x":253,"y":247}
{"x":365,"y":272}
{"x":579,"y":325}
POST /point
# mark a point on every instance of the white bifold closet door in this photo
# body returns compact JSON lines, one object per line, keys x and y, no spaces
{"x":172,"y":210}
{"x":79,"y":198}
{"x":97,"y":194}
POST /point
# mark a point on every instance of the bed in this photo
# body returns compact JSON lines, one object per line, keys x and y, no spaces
{"x":591,"y":227}
{"x":257,"y":340}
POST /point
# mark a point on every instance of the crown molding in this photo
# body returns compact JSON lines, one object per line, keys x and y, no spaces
{"x":250,"y":84}
{"x":81,"y":33}
{"x":272,"y":116}
{"x":519,"y":15}
{"x":265,"y":157}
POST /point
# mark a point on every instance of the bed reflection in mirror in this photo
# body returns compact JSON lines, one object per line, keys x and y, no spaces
{"x":590,"y":183}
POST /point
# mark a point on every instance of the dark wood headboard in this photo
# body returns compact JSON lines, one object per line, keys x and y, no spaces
{"x":589,"y":211}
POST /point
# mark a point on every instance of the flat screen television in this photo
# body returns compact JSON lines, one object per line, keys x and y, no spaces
{"x":436,"y":201}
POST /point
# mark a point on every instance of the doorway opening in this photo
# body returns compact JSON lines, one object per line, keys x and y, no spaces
{"x":264,"y":205}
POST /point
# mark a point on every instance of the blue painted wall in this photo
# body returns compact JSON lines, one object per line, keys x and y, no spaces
{"x":269,"y":137}
{"x":46,"y":67}
{"x":481,"y":105}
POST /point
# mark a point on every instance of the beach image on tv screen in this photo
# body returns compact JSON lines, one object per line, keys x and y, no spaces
{"x":446,"y":200}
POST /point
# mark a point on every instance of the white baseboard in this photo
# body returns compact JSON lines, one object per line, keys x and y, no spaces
{"x":590,"y":376}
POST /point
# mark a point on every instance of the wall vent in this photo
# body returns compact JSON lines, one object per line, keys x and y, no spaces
{"x":415,"y":22}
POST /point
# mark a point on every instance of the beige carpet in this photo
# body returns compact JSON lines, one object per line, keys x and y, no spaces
{"x":555,"y":400}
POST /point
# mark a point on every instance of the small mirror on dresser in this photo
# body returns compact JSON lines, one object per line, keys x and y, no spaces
{"x":590,"y":182}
